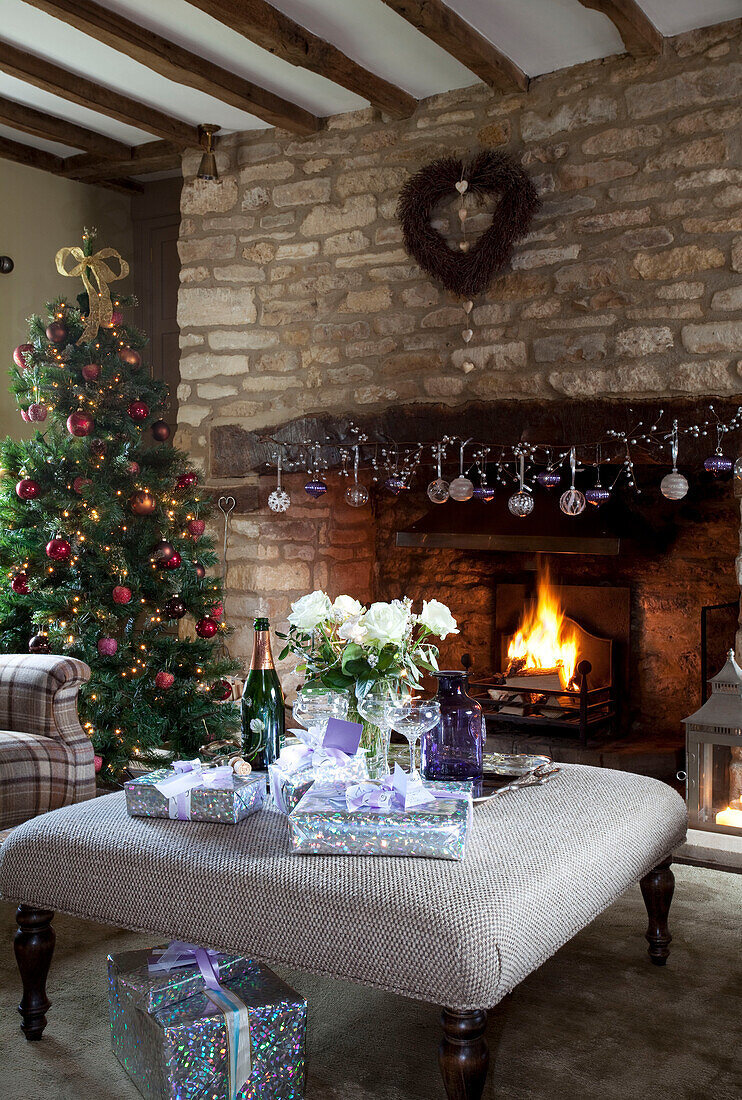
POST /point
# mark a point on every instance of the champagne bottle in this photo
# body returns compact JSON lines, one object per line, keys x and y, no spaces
{"x":262,"y":704}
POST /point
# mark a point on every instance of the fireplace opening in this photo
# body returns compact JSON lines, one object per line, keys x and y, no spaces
{"x":561,"y":658}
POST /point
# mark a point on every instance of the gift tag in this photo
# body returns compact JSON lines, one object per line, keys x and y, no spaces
{"x":343,"y":735}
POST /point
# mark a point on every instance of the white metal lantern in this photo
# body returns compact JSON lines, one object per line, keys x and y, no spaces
{"x":714,"y":755}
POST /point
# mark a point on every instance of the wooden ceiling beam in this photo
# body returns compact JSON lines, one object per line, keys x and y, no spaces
{"x":639,"y":34}
{"x":453,"y":34}
{"x":277,"y":33}
{"x":78,"y":89}
{"x":152,"y":156}
{"x":178,"y":64}
{"x":39,"y":124}
{"x":49,"y":162}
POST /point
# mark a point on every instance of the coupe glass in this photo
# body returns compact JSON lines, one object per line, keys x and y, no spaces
{"x":375,"y":707}
{"x":413,"y":719}
{"x":315,"y":705}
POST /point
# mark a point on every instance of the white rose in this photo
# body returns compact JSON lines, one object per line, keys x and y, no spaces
{"x":386,"y":622}
{"x":437,"y":618}
{"x":309,"y":611}
{"x":353,"y":630}
{"x":345,"y":607}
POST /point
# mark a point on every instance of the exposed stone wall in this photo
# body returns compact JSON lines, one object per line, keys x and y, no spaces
{"x":298,"y":298}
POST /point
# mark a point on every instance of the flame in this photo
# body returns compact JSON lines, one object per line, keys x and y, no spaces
{"x":544,"y":639}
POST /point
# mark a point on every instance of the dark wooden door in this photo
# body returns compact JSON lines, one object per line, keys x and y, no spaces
{"x":156,"y":220}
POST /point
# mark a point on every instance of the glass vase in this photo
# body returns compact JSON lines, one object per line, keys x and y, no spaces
{"x":374,"y":709}
{"x":453,"y":748}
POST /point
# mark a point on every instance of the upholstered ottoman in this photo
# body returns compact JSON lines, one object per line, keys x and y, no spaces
{"x":541,"y":864}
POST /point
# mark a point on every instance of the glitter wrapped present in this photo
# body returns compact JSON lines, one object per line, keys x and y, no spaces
{"x":190,"y":792}
{"x":243,"y":1040}
{"x":333,"y":758}
{"x":396,"y":817}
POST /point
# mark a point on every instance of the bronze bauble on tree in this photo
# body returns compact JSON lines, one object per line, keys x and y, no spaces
{"x":163,"y":552}
{"x":142,"y":503}
{"x":130,"y":357}
{"x":160,"y":431}
{"x":56,"y":333}
{"x":175,"y":608}
{"x":200,"y":571}
{"x":39,"y":644}
{"x":91,"y":371}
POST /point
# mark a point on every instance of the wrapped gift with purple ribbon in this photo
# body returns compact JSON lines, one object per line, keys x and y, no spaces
{"x":189,"y":791}
{"x":332,"y":757}
{"x":190,"y":1024}
{"x":401,"y":815}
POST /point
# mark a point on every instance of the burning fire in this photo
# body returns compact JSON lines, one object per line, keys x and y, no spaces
{"x":544,"y":640}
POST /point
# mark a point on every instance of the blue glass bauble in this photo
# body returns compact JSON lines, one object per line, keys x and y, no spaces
{"x":718,"y":465}
{"x":315,"y":488}
{"x":549,"y":479}
{"x":395,"y":484}
{"x":485,"y":493}
{"x":597,"y":495}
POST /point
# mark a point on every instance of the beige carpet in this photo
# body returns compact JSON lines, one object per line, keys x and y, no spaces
{"x":596,"y":1021}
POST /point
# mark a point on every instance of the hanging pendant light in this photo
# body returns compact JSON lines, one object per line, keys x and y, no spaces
{"x":207,"y":169}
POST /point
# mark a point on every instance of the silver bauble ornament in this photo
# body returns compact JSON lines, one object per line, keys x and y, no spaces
{"x":461,"y":488}
{"x":356,"y":495}
{"x":572,"y":502}
{"x":521,"y":504}
{"x":674,"y":486}
{"x":438,"y":491}
{"x":279,"y":500}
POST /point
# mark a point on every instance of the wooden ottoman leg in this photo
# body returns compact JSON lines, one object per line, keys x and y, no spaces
{"x":463,"y":1054}
{"x":34,"y":946}
{"x":657,"y":889}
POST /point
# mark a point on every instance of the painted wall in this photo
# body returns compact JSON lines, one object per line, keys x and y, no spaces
{"x":39,"y":213}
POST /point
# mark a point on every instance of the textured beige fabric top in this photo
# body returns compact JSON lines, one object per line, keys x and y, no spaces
{"x":541,"y":864}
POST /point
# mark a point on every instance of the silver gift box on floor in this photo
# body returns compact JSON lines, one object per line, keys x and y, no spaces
{"x":151,"y":991}
{"x":322,"y":824}
{"x":179,"y":1051}
{"x":227,"y":805}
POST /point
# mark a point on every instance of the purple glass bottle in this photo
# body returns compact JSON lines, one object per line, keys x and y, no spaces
{"x":453,"y":748}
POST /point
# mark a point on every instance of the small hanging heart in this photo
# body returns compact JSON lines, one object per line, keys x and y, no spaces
{"x":464,"y":246}
{"x":467,"y":307}
{"x":466,"y":335}
{"x":462,"y":186}
{"x":467,"y":367}
{"x":462,"y":215}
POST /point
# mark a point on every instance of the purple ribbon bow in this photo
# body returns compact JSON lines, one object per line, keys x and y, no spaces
{"x":188,"y":774}
{"x":400,"y":788}
{"x":179,"y":953}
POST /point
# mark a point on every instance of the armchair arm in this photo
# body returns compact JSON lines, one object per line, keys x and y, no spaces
{"x":38,"y":695}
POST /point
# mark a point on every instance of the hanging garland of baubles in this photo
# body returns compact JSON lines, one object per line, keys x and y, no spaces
{"x":397,"y":465}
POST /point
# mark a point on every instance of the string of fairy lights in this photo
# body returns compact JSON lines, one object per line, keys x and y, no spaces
{"x":478,"y":467}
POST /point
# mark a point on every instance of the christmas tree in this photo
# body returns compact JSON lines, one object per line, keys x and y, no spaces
{"x":102,"y":541}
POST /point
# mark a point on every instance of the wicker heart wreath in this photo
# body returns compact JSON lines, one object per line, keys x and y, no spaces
{"x":467,"y":273}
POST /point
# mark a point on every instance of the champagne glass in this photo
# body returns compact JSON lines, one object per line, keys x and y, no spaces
{"x":315,"y":705}
{"x":375,"y":706}
{"x":413,"y":719}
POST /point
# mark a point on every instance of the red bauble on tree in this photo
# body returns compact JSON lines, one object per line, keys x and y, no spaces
{"x":138,"y":410}
{"x":56,"y":333}
{"x":107,"y":646}
{"x":173,"y":562}
{"x":187,"y":481}
{"x":133,"y":468}
{"x":58,"y":549}
{"x":79,"y":424}
{"x":19,"y":584}
{"x":121,"y":594}
{"x":223,"y":690}
{"x":160,"y":431}
{"x":217,"y":611}
{"x":130,"y":357}
{"x":38,"y":412}
{"x":163,"y":552}
{"x":25,"y":416}
{"x":116,"y":318}
{"x":207,"y":627}
{"x":91,"y":372}
{"x":164,"y":680}
{"x":196,"y":528}
{"x":28,"y":489}
{"x":19,"y":355}
{"x":80,"y":484}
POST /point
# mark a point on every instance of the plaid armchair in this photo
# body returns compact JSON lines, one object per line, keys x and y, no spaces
{"x":46,"y":758}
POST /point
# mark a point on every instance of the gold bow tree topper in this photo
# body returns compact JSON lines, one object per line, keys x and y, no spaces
{"x":93,"y":267}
